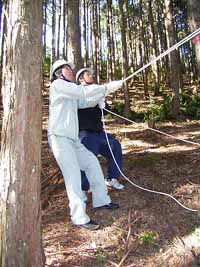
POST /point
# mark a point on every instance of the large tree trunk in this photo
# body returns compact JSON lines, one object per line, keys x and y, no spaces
{"x":174,"y":63}
{"x":122,"y":12}
{"x":20,"y":242}
{"x":194,"y":22}
{"x":73,"y":33}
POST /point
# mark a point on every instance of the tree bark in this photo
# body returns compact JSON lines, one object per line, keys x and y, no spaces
{"x":122,"y":12}
{"x":156,"y":66}
{"x":59,"y":26}
{"x":96,"y":40}
{"x":53,"y":41}
{"x":20,"y":242}
{"x":110,"y":43}
{"x":174,"y":66}
{"x":73,"y":33}
{"x":142,"y":49}
{"x":194,"y":23}
{"x":64,"y":28}
{"x":44,"y":28}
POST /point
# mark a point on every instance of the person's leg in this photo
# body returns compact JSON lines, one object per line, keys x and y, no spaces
{"x":64,"y":152}
{"x":85,"y":186}
{"x":89,"y":163}
{"x":113,"y":172}
{"x":88,"y":139}
{"x":104,"y":150}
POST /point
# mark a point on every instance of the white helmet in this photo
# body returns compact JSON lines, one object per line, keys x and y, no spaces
{"x":78,"y":74}
{"x":59,"y":63}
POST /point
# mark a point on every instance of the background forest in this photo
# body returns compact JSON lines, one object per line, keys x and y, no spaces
{"x":116,"y":38}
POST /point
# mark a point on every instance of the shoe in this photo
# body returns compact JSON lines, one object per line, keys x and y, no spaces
{"x":91,"y":225}
{"x":110,"y":206}
{"x":114,"y":183}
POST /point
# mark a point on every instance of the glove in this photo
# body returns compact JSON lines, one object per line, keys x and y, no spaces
{"x":113,"y":86}
{"x":101,"y":103}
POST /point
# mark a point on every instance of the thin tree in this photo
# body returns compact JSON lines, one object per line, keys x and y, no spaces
{"x":20,"y":242}
{"x":194,"y":23}
{"x":53,"y":29}
{"x":123,"y":24}
{"x":156,"y":66}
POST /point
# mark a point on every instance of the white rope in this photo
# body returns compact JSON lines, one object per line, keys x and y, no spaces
{"x":186,"y":39}
{"x":157,"y":131}
{"x":140,"y":187}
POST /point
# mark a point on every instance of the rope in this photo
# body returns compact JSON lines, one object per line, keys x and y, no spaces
{"x":186,"y":39}
{"x":155,"y":130}
{"x":140,"y":187}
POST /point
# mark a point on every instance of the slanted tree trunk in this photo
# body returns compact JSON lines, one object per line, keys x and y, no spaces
{"x":194,"y":23}
{"x":73,"y":33}
{"x":122,"y":12}
{"x":20,"y":242}
{"x":174,"y":66}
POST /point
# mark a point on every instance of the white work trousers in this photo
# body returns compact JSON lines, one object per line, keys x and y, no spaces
{"x":72,"y":157}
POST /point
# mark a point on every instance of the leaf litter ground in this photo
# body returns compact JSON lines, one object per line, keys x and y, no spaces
{"x":148,"y":230}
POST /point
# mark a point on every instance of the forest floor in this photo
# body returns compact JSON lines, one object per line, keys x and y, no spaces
{"x":147,"y":230}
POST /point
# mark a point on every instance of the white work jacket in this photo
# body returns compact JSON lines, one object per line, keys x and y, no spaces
{"x":65,"y":99}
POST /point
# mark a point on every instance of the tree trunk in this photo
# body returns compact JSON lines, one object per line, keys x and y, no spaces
{"x":64,"y":28}
{"x":85,"y":25}
{"x":53,"y":42}
{"x":20,"y":243}
{"x":194,"y":23}
{"x":44,"y":27}
{"x":96,"y":40}
{"x":59,"y":26}
{"x":2,"y":32}
{"x":155,"y":66}
{"x":174,"y":66}
{"x":122,"y":12}
{"x":110,"y":44}
{"x":73,"y":33}
{"x":142,"y":49}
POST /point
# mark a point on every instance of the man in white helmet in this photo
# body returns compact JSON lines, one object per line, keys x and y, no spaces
{"x":93,"y":137}
{"x":65,"y":99}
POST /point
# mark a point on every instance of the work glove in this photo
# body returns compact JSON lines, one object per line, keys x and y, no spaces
{"x":102,"y":103}
{"x":113,"y":86}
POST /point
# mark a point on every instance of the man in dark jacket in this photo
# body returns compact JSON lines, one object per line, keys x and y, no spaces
{"x":92,"y":135}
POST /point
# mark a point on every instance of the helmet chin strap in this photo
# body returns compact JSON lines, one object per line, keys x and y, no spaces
{"x":63,"y":78}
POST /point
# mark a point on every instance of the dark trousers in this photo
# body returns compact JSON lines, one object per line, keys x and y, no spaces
{"x":96,"y":142}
